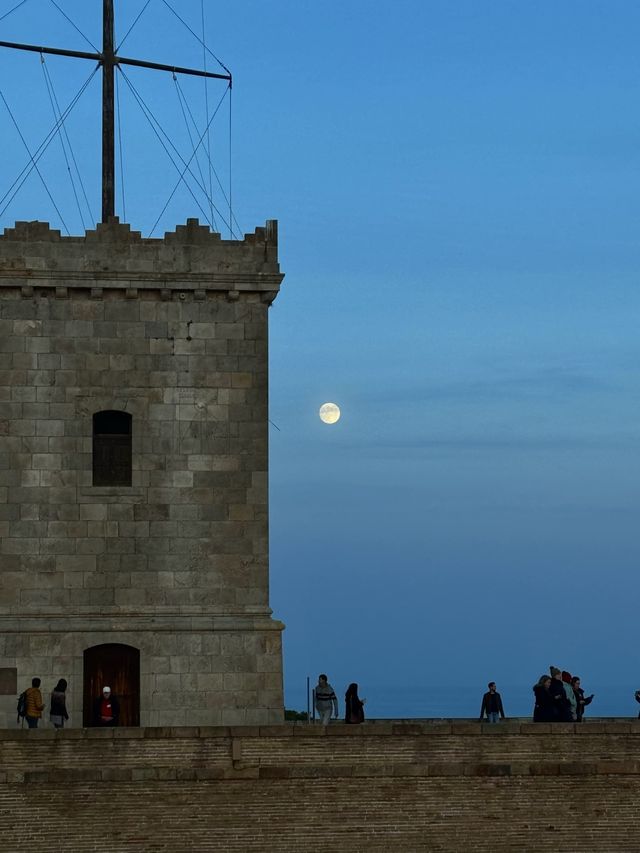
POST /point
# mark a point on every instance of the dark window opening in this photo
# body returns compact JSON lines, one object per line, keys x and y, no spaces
{"x":118,"y":667}
{"x":112,"y":449}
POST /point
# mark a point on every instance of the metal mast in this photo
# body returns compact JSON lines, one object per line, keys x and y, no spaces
{"x":109,"y":58}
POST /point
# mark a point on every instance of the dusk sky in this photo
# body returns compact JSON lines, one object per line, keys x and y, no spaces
{"x":458,"y":190}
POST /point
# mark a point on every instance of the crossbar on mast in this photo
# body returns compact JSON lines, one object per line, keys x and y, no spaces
{"x":109,"y":59}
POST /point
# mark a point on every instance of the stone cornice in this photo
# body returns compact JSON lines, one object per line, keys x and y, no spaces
{"x":123,"y":621}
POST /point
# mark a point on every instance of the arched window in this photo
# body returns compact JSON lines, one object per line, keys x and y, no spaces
{"x":112,"y":449}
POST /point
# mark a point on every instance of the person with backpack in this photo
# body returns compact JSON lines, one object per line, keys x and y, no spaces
{"x":34,"y":706}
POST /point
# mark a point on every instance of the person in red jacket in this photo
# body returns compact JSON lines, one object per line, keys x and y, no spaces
{"x":106,"y":709}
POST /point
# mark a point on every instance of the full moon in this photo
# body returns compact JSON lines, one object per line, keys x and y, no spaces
{"x":329,"y":413}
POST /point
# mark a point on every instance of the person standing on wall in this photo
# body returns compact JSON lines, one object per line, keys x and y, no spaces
{"x":492,"y":704}
{"x":58,"y":711}
{"x":34,"y":704}
{"x":353,"y":706}
{"x":571,"y":694}
{"x":106,"y":709}
{"x":326,"y":701}
{"x":561,"y":706}
{"x":544,"y":710}
{"x":581,"y":700}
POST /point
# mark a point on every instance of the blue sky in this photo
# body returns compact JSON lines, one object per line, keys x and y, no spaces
{"x":457,"y":187}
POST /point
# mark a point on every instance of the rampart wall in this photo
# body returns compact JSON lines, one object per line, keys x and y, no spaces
{"x":426,"y":786}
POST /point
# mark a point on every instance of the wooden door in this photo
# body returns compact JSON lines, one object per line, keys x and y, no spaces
{"x":117,"y":666}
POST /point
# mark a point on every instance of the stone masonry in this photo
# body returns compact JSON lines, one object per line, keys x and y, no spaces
{"x":173,"y":332}
{"x":415,"y":787}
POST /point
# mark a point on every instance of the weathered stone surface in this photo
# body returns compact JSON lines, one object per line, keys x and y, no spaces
{"x":261,"y":789}
{"x":114,"y":321}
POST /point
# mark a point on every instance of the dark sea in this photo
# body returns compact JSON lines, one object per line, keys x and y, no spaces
{"x":464,"y":702}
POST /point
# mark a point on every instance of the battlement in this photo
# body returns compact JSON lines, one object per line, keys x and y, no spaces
{"x":190,"y":258}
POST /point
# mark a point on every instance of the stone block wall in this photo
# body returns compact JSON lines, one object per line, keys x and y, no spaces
{"x":173,"y":332}
{"x":429,"y":786}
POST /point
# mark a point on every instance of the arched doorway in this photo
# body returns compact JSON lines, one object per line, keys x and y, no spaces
{"x":117,"y":666}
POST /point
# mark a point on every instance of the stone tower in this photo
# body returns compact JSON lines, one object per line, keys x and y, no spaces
{"x":133,"y":472}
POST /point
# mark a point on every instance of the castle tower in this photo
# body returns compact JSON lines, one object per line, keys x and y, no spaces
{"x":133,"y":472}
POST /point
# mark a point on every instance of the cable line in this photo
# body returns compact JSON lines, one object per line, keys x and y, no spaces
{"x":53,"y":101}
{"x":156,"y":124}
{"x":35,"y":165}
{"x":126,"y":35}
{"x":148,"y":114}
{"x":206,"y":101}
{"x":71,"y":151}
{"x":28,"y":168}
{"x":230,"y":167}
{"x":181,"y":178}
{"x":73,"y":156}
{"x":195,"y":35}
{"x":77,"y":29}
{"x":183,"y":104}
{"x":6,"y":14}
{"x":124,"y":207}
{"x":195,"y":125}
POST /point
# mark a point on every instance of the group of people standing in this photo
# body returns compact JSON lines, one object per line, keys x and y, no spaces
{"x":106,"y":708}
{"x":326,"y":702}
{"x":559,"y":698}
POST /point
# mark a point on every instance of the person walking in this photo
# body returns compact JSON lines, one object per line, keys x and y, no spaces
{"x":353,"y":706}
{"x":326,"y":701}
{"x":34,"y":704}
{"x":58,"y":710}
{"x":492,"y":705}
{"x":106,"y":709}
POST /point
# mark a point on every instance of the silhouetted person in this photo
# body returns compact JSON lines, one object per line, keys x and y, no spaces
{"x":353,"y":706}
{"x":34,"y":704}
{"x":106,"y":709}
{"x":543,"y":711}
{"x":492,"y":704}
{"x":58,"y":710}
{"x":326,"y":701}
{"x":561,"y":706}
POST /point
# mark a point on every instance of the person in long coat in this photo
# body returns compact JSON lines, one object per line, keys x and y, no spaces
{"x":58,"y":711}
{"x":353,"y":706}
{"x":561,"y":706}
{"x":543,"y":711}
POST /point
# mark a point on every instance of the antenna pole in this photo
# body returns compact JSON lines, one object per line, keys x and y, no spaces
{"x":108,"y":59}
{"x":108,"y":129}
